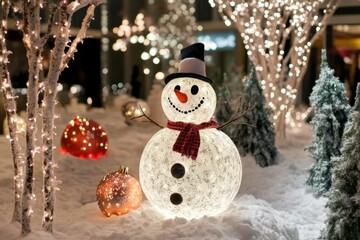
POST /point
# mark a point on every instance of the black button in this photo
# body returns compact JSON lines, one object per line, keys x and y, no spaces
{"x":176,"y":198}
{"x":177,"y":170}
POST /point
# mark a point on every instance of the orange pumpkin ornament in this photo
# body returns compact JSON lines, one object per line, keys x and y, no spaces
{"x":118,"y":193}
{"x":84,"y":138}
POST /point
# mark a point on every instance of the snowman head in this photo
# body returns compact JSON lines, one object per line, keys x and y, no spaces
{"x":188,"y":99}
{"x":188,"y":95}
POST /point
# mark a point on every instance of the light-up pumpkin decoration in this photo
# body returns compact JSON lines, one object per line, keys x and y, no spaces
{"x":190,"y":169}
{"x":131,"y":110}
{"x":84,"y":138}
{"x":118,"y":193}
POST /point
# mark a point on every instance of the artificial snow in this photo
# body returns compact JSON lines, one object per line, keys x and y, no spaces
{"x":273,"y":202}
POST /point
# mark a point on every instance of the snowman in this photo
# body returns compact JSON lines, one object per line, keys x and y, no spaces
{"x":190,"y":169}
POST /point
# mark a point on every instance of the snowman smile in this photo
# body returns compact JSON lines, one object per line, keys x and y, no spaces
{"x":187,"y":111}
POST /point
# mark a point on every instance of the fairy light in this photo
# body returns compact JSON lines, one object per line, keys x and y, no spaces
{"x":125,"y":32}
{"x":174,"y":30}
{"x":132,"y":110}
{"x":265,"y":43}
{"x":10,"y":108}
{"x":104,"y":49}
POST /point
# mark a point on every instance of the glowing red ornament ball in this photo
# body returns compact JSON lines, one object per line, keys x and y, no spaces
{"x":118,"y":193}
{"x":84,"y":138}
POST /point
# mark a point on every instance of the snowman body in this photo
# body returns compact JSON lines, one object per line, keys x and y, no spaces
{"x":176,"y":184}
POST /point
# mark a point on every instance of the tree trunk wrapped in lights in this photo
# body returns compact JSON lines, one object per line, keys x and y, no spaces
{"x":10,"y":108}
{"x":278,"y":38}
{"x":34,"y":41}
{"x":58,"y":62}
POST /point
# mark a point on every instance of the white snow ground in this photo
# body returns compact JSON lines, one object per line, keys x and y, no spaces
{"x":272,"y":204}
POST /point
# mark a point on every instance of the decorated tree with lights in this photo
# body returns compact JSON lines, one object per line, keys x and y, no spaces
{"x":29,"y":13}
{"x":175,"y":29}
{"x":331,"y":112}
{"x":278,"y":37}
{"x":10,"y":108}
{"x":257,"y":135}
{"x":344,"y":219}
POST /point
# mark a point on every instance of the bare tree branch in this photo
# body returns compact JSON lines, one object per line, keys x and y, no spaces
{"x":235,"y":117}
{"x":76,"y":5}
{"x":79,"y":37}
{"x":146,"y":116}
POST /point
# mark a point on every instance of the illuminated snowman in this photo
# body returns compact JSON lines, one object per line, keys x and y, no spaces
{"x":190,"y":169}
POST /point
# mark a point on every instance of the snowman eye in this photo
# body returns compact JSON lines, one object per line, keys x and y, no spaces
{"x":194,"y":89}
{"x":177,"y":87}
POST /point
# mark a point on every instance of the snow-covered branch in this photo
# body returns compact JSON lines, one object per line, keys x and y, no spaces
{"x":78,"y":4}
{"x":32,"y":41}
{"x":79,"y":37}
{"x":48,"y":105}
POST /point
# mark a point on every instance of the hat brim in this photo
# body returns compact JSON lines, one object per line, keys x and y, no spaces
{"x":191,"y":75}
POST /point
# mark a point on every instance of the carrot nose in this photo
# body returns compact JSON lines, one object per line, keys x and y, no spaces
{"x":181,"y":96}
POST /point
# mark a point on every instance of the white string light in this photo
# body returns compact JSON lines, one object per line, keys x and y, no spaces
{"x":267,"y":28}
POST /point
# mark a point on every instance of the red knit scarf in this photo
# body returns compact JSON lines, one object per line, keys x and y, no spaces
{"x":188,"y":141}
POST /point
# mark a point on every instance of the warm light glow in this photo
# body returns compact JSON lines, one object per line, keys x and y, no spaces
{"x":175,"y":29}
{"x":118,"y":193}
{"x":131,"y":110}
{"x":146,"y":71}
{"x":84,"y":138}
{"x":176,"y":184}
{"x":159,"y":76}
{"x":20,"y":124}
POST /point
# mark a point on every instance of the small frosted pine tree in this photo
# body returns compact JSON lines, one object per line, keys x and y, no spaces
{"x":257,"y":135}
{"x":344,"y":201}
{"x":331,"y":111}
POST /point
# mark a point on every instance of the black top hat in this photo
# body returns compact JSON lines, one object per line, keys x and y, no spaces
{"x":192,"y":64}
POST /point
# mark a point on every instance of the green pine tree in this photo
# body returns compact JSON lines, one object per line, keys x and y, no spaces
{"x":344,"y":202}
{"x":331,"y":111}
{"x":257,"y":135}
